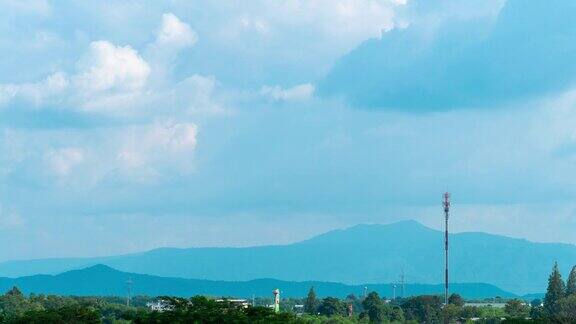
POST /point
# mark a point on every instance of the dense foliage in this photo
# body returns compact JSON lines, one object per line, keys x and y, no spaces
{"x":18,"y":308}
{"x":558,"y":306}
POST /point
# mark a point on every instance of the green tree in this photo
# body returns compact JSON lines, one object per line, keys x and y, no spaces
{"x":468,"y":312}
{"x":456,"y":299}
{"x":355,"y":302}
{"x":331,"y":306}
{"x":311,"y":303}
{"x":374,"y":307}
{"x":450,"y":313}
{"x":554,"y":293}
{"x":14,"y":304}
{"x":567,"y":307}
{"x":67,"y":314}
{"x":515,"y":308}
{"x":200,"y":309}
{"x":15,"y":292}
{"x":571,"y":283}
{"x":423,"y":309}
{"x":536,"y":309}
{"x":396,"y":314}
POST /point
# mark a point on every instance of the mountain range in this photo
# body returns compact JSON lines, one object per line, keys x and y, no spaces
{"x":101,"y":280}
{"x":357,"y":255}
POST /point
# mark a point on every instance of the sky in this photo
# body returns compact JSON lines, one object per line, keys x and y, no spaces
{"x":131,"y":125}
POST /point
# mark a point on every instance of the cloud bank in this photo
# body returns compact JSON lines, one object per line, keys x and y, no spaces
{"x":197,"y":123}
{"x":463,"y":64}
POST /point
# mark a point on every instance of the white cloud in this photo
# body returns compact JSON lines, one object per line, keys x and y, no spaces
{"x":108,"y":67}
{"x":250,"y":24}
{"x":291,"y":39}
{"x":174,"y":32}
{"x":299,"y":92}
{"x":343,"y":21}
{"x":117,"y":80}
{"x":109,"y":79}
{"x":172,"y":37}
{"x":197,"y":95}
{"x":84,"y":159}
{"x":63,"y":161}
{"x":148,"y":153}
{"x":176,"y":137}
{"x":36,"y":93}
{"x":39,"y":7}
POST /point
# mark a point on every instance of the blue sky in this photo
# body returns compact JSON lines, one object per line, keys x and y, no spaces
{"x":129,"y":125}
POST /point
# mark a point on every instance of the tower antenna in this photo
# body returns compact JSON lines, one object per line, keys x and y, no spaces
{"x":446,"y":214}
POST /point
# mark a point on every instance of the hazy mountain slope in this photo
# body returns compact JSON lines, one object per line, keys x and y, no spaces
{"x":361,"y":254}
{"x":101,"y":280}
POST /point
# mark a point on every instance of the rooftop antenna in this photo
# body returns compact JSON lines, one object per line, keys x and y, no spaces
{"x":129,"y":284}
{"x":446,"y":213}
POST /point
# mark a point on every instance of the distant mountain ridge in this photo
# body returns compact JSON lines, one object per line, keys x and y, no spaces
{"x":357,"y":255}
{"x":101,"y":280}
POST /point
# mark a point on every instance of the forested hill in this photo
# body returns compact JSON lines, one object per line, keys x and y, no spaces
{"x":357,"y":255}
{"x":100,"y":280}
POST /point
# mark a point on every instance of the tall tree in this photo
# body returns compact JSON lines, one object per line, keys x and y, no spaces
{"x":379,"y":311}
{"x":423,"y":309}
{"x":568,"y":309}
{"x":374,"y":307}
{"x":331,"y":306}
{"x":456,"y":299}
{"x":516,"y":308}
{"x":14,"y":292}
{"x":311,"y":304}
{"x":571,"y":284}
{"x":554,"y":293}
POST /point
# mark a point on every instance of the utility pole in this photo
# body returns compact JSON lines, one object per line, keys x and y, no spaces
{"x":402,"y":282}
{"x":446,"y":213}
{"x":129,"y":284}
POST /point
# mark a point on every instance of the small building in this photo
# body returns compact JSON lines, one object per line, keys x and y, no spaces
{"x":243,"y":303}
{"x":159,"y":306}
{"x":486,"y":304}
{"x":298,"y":310}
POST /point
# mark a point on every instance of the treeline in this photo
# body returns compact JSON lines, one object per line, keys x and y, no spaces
{"x":558,"y":306}
{"x":418,"y":309}
{"x":17,"y":308}
{"x":373,"y":309}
